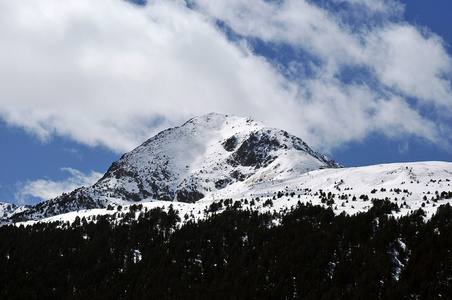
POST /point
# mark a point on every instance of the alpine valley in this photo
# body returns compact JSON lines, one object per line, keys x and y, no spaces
{"x":224,"y":207}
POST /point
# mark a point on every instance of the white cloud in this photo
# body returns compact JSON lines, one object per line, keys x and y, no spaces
{"x":401,"y":62}
{"x":74,"y":152}
{"x":413,"y":63}
{"x":109,"y":73}
{"x":379,"y":6}
{"x":46,"y":189}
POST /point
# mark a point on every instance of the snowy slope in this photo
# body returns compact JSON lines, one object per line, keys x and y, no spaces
{"x":206,"y":154}
{"x":8,"y":209}
{"x":209,"y":154}
{"x":217,"y":157}
{"x":412,"y":186}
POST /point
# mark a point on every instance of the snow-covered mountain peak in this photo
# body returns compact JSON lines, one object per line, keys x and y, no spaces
{"x":219,"y":157}
{"x":221,"y":122}
{"x":207,"y":157}
{"x":207,"y":154}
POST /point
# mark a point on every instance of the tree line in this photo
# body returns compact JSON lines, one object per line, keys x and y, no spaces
{"x":311,"y":254}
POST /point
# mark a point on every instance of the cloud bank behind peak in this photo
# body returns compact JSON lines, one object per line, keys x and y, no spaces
{"x":111,"y":73}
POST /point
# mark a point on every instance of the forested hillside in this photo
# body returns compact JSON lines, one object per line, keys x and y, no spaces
{"x":311,"y":254}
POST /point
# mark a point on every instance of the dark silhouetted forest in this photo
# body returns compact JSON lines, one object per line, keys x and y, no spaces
{"x":311,"y":254}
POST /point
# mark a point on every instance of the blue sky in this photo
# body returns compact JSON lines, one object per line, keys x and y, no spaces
{"x":365,"y":81}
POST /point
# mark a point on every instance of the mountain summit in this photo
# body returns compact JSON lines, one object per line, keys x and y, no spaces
{"x":208,"y":156}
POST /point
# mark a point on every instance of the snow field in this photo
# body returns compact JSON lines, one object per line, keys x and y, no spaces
{"x":410,"y":185}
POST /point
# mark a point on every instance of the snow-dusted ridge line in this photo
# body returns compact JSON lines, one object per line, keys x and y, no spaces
{"x":216,"y":157}
{"x":411,"y":186}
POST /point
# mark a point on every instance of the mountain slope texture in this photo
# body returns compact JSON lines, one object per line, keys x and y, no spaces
{"x":223,"y":207}
{"x":218,"y":157}
{"x":203,"y":157}
{"x":208,"y":154}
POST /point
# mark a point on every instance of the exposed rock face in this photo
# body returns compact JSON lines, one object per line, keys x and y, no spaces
{"x":205,"y":155}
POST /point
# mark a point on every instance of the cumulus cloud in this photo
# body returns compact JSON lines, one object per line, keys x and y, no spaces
{"x":45,"y":189}
{"x":110,"y":73}
{"x":412,"y":62}
{"x":367,"y":74}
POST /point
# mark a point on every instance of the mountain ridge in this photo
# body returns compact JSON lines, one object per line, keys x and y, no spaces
{"x":187,"y":163}
{"x":183,"y":161}
{"x":216,"y":157}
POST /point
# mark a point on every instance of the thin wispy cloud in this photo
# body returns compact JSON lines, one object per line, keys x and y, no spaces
{"x":74,"y":152}
{"x":111,"y":73}
{"x":45,"y":189}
